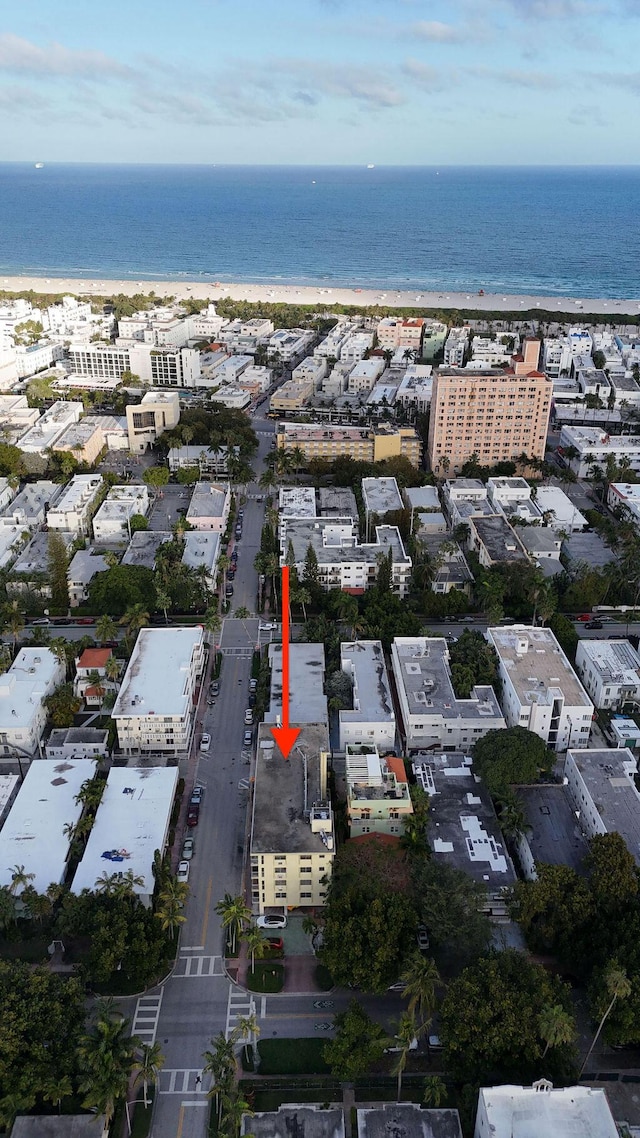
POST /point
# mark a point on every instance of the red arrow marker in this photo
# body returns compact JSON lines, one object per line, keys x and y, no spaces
{"x":285,"y":736}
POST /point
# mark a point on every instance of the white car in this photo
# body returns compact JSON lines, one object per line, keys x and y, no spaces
{"x":413,"y":1046}
{"x":205,"y":742}
{"x":183,"y":871}
{"x":267,"y":626}
{"x":272,"y":921}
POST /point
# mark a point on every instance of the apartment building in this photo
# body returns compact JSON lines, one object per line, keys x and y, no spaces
{"x":355,"y":347}
{"x":343,"y":562}
{"x":50,"y":426}
{"x":159,"y":411}
{"x":370,"y":721}
{"x":292,"y":396}
{"x":292,"y":843}
{"x":84,"y":440}
{"x":496,"y":414}
{"x":206,"y":459}
{"x":494,"y":541}
{"x":209,"y":506}
{"x":307,"y":701}
{"x":29,"y":508}
{"x":610,"y":671}
{"x":157,"y":366}
{"x":362,"y":443}
{"x":34,"y":674}
{"x":380,"y":496}
{"x":378,"y":798}
{"x":398,"y":332}
{"x":90,"y":664}
{"x":364,"y":375}
{"x":290,"y":344}
{"x":154,"y":710}
{"x":84,"y":566}
{"x":585,"y":447}
{"x":602,"y":789}
{"x":415,"y":389}
{"x":31,"y":570}
{"x":431,"y":713}
{"x":544,"y":1111}
{"x":72,"y":512}
{"x":456,"y":346}
{"x":16,"y":416}
{"x":112,"y":522}
{"x":540,"y":690}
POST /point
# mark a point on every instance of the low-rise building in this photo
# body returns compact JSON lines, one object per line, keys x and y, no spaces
{"x":313,"y":368}
{"x":144,"y":545}
{"x":495,"y":541}
{"x":16,"y":416}
{"x":158,"y":412}
{"x":292,"y":396}
{"x":610,"y":672}
{"x":544,"y":546}
{"x":364,"y":375}
{"x":380,"y":496}
{"x":585,"y":447}
{"x":558,"y":511}
{"x":540,"y":690}
{"x":601,"y":784}
{"x":462,"y":826}
{"x":297,"y":502}
{"x":542,"y":1112}
{"x":112,"y":522}
{"x":50,"y":427}
{"x":290,"y":344}
{"x":154,"y":709}
{"x":38,"y":832}
{"x":84,"y":440}
{"x":337,"y":502}
{"x":131,"y":824}
{"x":34,"y":674}
{"x":31,"y":570}
{"x":624,"y":499}
{"x":207,"y":460}
{"x":29,"y":508}
{"x":355,"y":346}
{"x":292,"y":843}
{"x":72,"y":512}
{"x":416,"y":388}
{"x":209,"y":506}
{"x":201,"y":551}
{"x":407,"y":1120}
{"x":371,"y":720}
{"x":343,"y":562}
{"x":365,"y":444}
{"x":451,"y":570}
{"x":378,"y":798}
{"x":456,"y":346}
{"x":83,"y":567}
{"x":92,"y":666}
{"x":308,"y":1119}
{"x":77,"y":743}
{"x":431,"y":713}
{"x":307,"y":701}
{"x":400,"y":332}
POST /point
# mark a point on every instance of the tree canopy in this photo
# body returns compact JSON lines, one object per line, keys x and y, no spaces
{"x":120,"y":588}
{"x":358,"y":1043}
{"x":507,"y":757}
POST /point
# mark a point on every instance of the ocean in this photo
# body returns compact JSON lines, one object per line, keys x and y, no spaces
{"x":550,"y":230}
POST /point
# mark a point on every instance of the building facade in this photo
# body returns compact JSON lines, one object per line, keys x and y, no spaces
{"x":154,"y":710}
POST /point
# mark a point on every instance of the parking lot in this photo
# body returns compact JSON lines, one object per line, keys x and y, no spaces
{"x":167,"y":509}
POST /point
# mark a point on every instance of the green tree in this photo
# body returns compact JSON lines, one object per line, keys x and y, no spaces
{"x":358,"y":1043}
{"x":311,"y":572}
{"x":384,"y":579}
{"x":510,"y":756}
{"x":138,"y":522}
{"x":613,"y":877}
{"x":20,"y":879}
{"x":556,"y":1027}
{"x":220,"y":1063}
{"x":106,"y":628}
{"x":449,"y":904}
{"x":135,"y":618}
{"x":63,"y":705}
{"x":553,"y":910}
{"x":616,"y":986}
{"x":57,"y":563}
{"x":434,"y":1094}
{"x":148,"y":1063}
{"x":122,"y":588}
{"x":255,"y":942}
{"x":235,"y":915}
{"x":156,"y":476}
{"x":406,"y":1035}
{"x":107,"y":1055}
{"x":421,"y":979}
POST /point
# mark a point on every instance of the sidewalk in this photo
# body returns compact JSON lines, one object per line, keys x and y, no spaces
{"x":299,"y":973}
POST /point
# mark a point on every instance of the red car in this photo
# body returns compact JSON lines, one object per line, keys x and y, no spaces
{"x":193,"y":815}
{"x":584,"y":617}
{"x":275,"y":942}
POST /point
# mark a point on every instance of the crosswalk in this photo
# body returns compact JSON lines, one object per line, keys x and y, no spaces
{"x":182,"y":1081}
{"x":146,"y":1016}
{"x":196,"y":966}
{"x":239,"y":1004}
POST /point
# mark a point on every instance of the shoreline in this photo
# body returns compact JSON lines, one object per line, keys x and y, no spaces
{"x":325,"y":294}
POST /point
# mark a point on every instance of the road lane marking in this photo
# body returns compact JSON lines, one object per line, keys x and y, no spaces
{"x":180,"y":1122}
{"x":263,"y":1007}
{"x":203,"y":935}
{"x":191,"y":948}
{"x":146,"y":1016}
{"x":183,"y":1081}
{"x":200,"y":966}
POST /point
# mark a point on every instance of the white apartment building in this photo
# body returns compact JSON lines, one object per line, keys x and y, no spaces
{"x":624,"y":499}
{"x":593,"y":446}
{"x":380,"y":495}
{"x":160,"y":328}
{"x":456,"y":346}
{"x":508,"y":491}
{"x":540,"y":1111}
{"x":610,"y":671}
{"x":159,"y":411}
{"x":154,"y":710}
{"x":206,"y":459}
{"x":32,"y":358}
{"x":290,"y":344}
{"x":208,"y":325}
{"x":558,"y":511}
{"x":72,"y":511}
{"x":29,"y":508}
{"x":112,"y":522}
{"x":312,"y":369}
{"x":431,"y":713}
{"x":84,"y":566}
{"x":201,"y":551}
{"x":364,"y":375}
{"x":7,"y":494}
{"x":603,"y":792}
{"x":156,"y":366}
{"x":329,"y":348}
{"x":343,"y":562}
{"x":556,"y":357}
{"x":307,"y":701}
{"x":292,"y":844}
{"x":486,"y":352}
{"x":540,"y":690}
{"x":77,"y":743}
{"x":209,"y":506}
{"x":50,"y":426}
{"x":371,"y":721}
{"x":34,"y":674}
{"x":356,"y":346}
{"x":416,"y":388}
{"x":16,"y":416}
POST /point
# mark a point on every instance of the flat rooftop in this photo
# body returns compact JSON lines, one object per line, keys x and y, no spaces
{"x":201,"y":547}
{"x":77,"y":736}
{"x":554,"y":835}
{"x":317,"y":432}
{"x":156,"y":679}
{"x":422,"y":497}
{"x":607,"y":776}
{"x":525,"y":1112}
{"x":499,"y":539}
{"x":307,"y":701}
{"x":333,"y":545}
{"x":381,"y":495}
{"x":34,"y":498}
{"x":616,"y":661}
{"x":407,"y":1120}
{"x":35,"y":556}
{"x":564,"y":510}
{"x":143,"y":547}
{"x":292,"y":1120}
{"x":131,"y":823}
{"x":208,"y":500}
{"x":426,"y":679}
{"x":279,"y":824}
{"x":33,"y":834}
{"x":537,"y":667}
{"x":462,"y":826}
{"x":539,"y":540}
{"x":587,"y":549}
{"x":337,"y":501}
{"x":297,"y":502}
{"x":80,"y":490}
{"x":84,"y":565}
{"x":24,"y":686}
{"x":364,"y":663}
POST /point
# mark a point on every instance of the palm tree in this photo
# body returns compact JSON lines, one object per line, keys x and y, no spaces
{"x":163,"y":600}
{"x":95,"y":681}
{"x":112,"y":669}
{"x":220,"y":1063}
{"x":59,"y":647}
{"x":54,"y":1090}
{"x":19,"y":879}
{"x":15,"y":622}
{"x":106,"y":628}
{"x":255,"y":942}
{"x":235,"y":915}
{"x":556,"y":1026}
{"x":211,"y":621}
{"x":618,"y":987}
{"x":405,"y":1036}
{"x":135,"y":618}
{"x":106,"y":1057}
{"x":90,"y":793}
{"x":149,"y":1062}
{"x":434,"y":1092}
{"x":7,"y":907}
{"x":233,"y":1109}
{"x":300,"y":595}
{"x":12,"y":1104}
{"x":247,"y":1028}
{"x":169,"y":913}
{"x":421,"y":978}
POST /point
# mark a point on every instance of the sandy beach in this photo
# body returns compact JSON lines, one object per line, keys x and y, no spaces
{"x":326,"y":294}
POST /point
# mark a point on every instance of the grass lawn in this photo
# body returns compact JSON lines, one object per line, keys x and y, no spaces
{"x":292,"y":1057}
{"x":267,"y":976}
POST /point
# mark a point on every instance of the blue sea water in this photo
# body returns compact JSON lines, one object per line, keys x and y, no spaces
{"x":565,"y":231}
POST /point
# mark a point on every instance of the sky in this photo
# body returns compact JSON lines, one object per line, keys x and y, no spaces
{"x":393,"y":82}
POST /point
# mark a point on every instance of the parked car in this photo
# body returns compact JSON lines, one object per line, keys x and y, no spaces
{"x":267,"y":626}
{"x":41,"y":620}
{"x":183,"y":871}
{"x":593,"y":624}
{"x":205,"y":742}
{"x":253,"y":684}
{"x":248,"y":716}
{"x":247,"y":738}
{"x":193,"y":815}
{"x":238,"y":533}
{"x":275,"y":942}
{"x":413,"y":1046}
{"x":435,"y":1043}
{"x":585,"y":616}
{"x":252,"y":696}
{"x":188,"y":849}
{"x":272,"y":921}
{"x":214,"y":687}
{"x":422,"y":938}
{"x":229,"y":591}
{"x":196,"y":793}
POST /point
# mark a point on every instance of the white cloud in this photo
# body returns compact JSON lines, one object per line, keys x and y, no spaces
{"x":20,"y":56}
{"x":435,"y":32}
